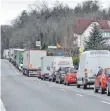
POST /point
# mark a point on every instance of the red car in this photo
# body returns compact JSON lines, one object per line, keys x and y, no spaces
{"x":101,"y":80}
{"x":70,"y":76}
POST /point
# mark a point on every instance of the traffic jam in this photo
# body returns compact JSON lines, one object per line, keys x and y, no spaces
{"x":93,"y":69}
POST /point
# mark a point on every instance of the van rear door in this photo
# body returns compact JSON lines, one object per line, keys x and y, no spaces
{"x":92,"y":66}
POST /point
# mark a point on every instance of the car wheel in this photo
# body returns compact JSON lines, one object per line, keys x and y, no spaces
{"x":95,"y":89}
{"x":27,"y":73}
{"x":59,"y":81}
{"x":64,"y":82}
{"x":84,"y":86}
{"x":108,"y":91}
{"x":67,"y":83}
{"x":56,"y":81}
{"x":50,"y":80}
{"x":102,"y":91}
{"x":78,"y":86}
{"x":23,"y":71}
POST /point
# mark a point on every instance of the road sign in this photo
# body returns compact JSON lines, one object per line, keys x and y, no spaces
{"x":38,"y":43}
{"x":81,"y":50}
{"x":52,"y":47}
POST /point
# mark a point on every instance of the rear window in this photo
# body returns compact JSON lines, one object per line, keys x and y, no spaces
{"x":107,"y":71}
{"x":62,"y":72}
{"x":72,"y":70}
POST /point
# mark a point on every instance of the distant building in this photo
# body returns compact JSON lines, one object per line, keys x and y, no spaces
{"x":84,"y":26}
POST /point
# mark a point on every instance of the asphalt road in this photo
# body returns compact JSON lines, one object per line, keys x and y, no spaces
{"x":21,"y":93}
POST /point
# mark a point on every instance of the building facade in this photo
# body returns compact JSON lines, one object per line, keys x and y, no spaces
{"x":84,"y":28}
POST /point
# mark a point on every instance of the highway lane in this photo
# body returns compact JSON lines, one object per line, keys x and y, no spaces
{"x":21,"y":93}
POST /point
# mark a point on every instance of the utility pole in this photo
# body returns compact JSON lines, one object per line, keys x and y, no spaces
{"x":41,"y":40}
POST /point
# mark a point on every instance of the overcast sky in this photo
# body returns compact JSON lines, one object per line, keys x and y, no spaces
{"x":10,"y":9}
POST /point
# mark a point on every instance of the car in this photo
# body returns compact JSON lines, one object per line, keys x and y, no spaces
{"x":102,"y":81}
{"x":45,"y":76}
{"x":108,"y":87}
{"x":60,"y":74}
{"x":39,"y":73}
{"x":70,"y":76}
{"x":60,"y":77}
{"x":52,"y":77}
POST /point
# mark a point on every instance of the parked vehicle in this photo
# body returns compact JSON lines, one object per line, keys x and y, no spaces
{"x":32,"y":61}
{"x":46,"y":63}
{"x":19,"y":58}
{"x":58,"y":62}
{"x":101,"y":81}
{"x":108,"y":87}
{"x":11,"y":54}
{"x":39,"y":73}
{"x":6,"y":54}
{"x":90,"y":62}
{"x":60,"y":74}
{"x":70,"y":76}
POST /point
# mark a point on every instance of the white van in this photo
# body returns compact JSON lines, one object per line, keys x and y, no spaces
{"x":90,"y":63}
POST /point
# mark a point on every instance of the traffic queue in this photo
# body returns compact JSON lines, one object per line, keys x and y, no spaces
{"x":93,"y":69}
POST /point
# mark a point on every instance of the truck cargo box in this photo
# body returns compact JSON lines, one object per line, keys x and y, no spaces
{"x":32,"y":61}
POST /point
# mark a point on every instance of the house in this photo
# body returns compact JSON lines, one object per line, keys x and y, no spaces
{"x":84,"y":26}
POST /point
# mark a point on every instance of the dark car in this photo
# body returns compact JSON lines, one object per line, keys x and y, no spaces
{"x":60,"y":74}
{"x":60,"y":77}
{"x":52,"y":77}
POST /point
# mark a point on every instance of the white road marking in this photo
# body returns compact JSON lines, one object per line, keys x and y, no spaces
{"x":2,"y":106}
{"x":39,"y":83}
{"x":79,"y":95}
{"x":62,"y":89}
{"x":105,"y":102}
{"x":14,"y":69}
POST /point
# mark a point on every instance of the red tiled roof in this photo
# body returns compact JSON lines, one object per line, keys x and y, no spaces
{"x":82,"y":24}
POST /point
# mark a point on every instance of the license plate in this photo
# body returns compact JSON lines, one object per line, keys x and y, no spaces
{"x":32,"y":72}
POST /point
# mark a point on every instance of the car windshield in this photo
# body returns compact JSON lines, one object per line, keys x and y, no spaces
{"x":107,"y":71}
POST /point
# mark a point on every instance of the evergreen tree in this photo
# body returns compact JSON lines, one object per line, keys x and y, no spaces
{"x":95,"y":41}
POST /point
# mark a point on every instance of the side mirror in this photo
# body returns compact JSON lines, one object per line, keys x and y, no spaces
{"x":95,"y":75}
{"x":48,"y":68}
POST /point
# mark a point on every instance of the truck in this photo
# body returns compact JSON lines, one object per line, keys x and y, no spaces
{"x":19,"y":58}
{"x":32,"y":61}
{"x":90,"y":62}
{"x":6,"y":54}
{"x":58,"y":62}
{"x":46,"y":63}
{"x":11,"y":54}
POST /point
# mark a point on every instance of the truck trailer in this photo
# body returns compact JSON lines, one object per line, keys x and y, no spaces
{"x":19,"y":58}
{"x":32,"y":61}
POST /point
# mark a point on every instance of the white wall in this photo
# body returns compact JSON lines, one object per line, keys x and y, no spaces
{"x":86,"y":34}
